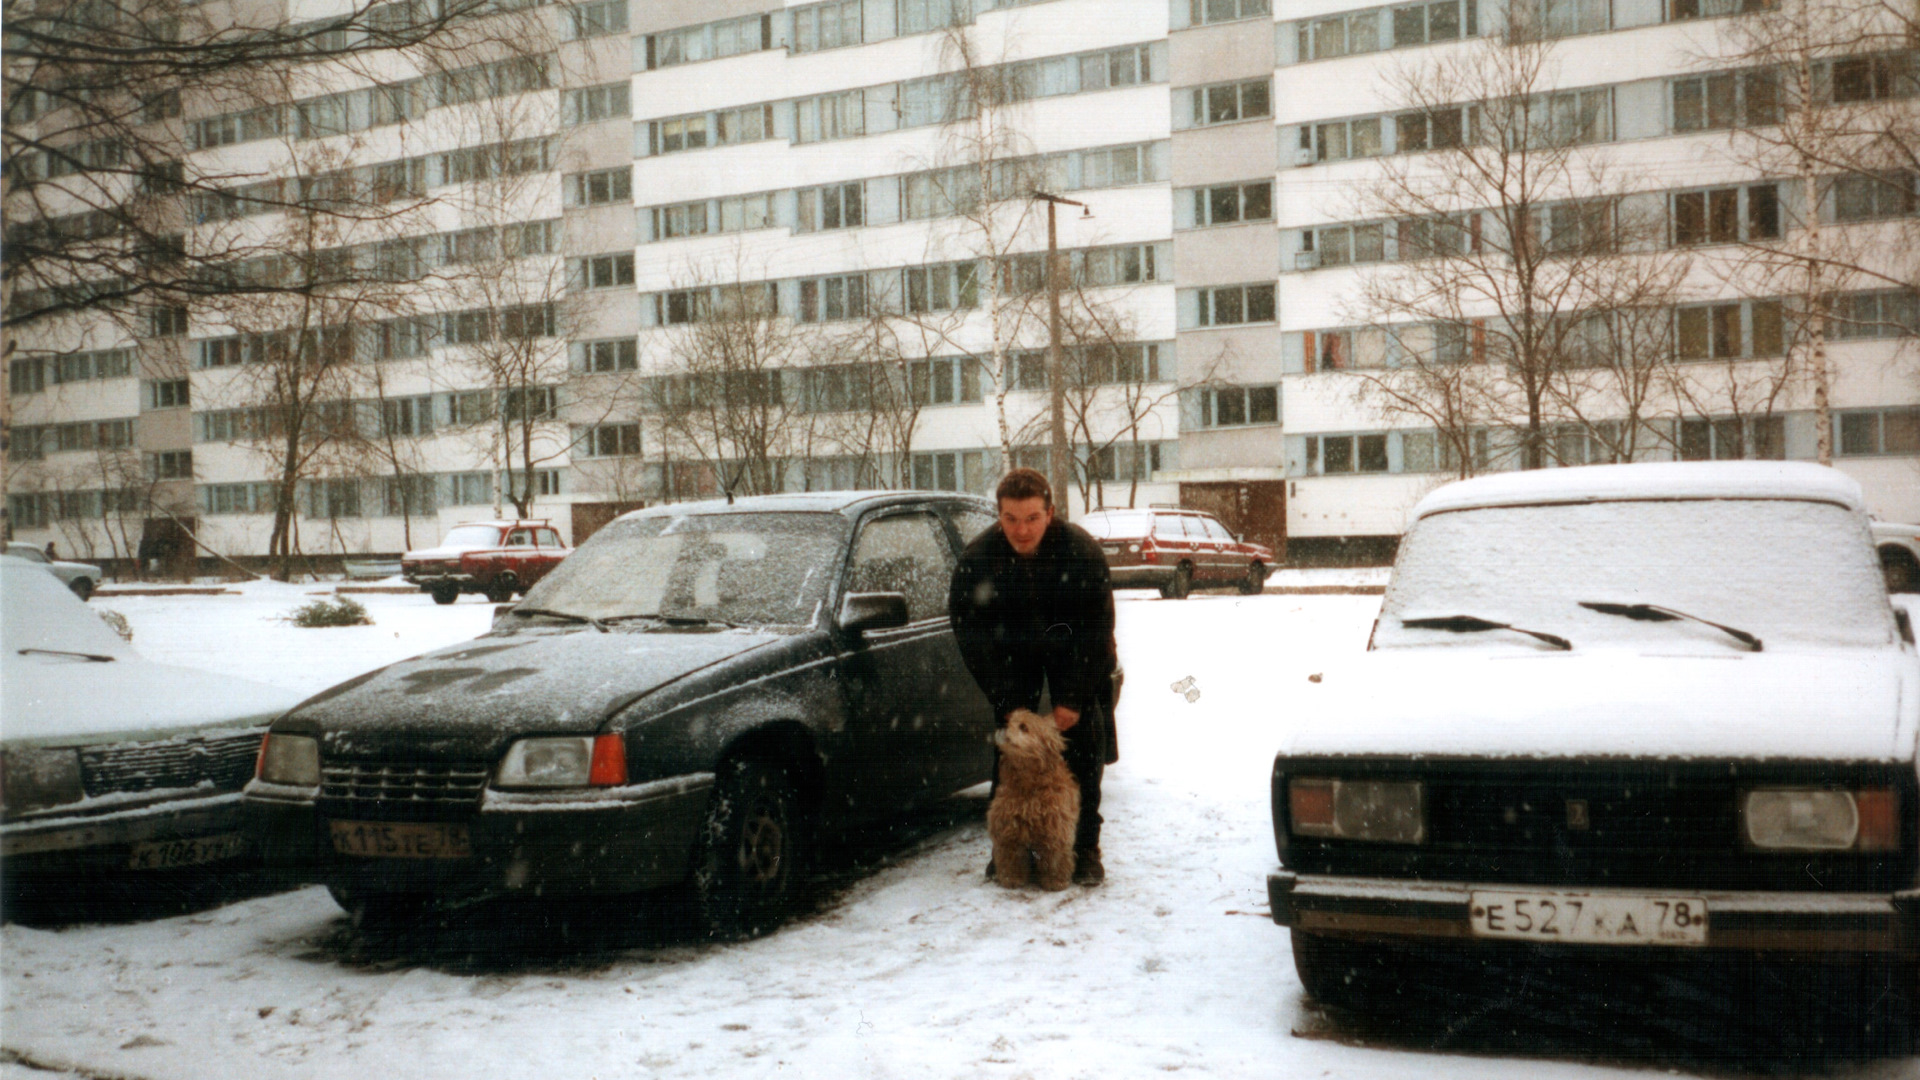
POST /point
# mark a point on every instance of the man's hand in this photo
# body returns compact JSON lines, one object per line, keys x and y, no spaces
{"x":1064,"y":718}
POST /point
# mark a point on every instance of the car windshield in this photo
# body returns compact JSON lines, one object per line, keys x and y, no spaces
{"x":1110,"y":525}
{"x":472,"y":536}
{"x":743,"y":569}
{"x":1783,"y":570}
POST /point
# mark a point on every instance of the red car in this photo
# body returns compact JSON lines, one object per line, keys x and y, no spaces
{"x":494,"y":558}
{"x":1176,"y":551}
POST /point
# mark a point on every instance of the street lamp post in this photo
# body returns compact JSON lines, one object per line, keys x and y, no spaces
{"x":1060,"y":457}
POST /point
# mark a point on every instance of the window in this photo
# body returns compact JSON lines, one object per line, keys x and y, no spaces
{"x":1133,"y":264}
{"x":1870,"y":198}
{"x":1435,"y":237}
{"x":1871,"y":78}
{"x":1213,"y":11}
{"x":1726,"y":215}
{"x":687,"y":219}
{"x":826,"y":26}
{"x":836,"y":206}
{"x":167,"y":394}
{"x":609,"y":440}
{"x":950,"y":287}
{"x":744,"y":125}
{"x":746,"y":212}
{"x":1125,"y":462}
{"x":1230,"y":102}
{"x":236,"y":128}
{"x":618,"y":354}
{"x":1730,"y":99}
{"x":1537,"y":19}
{"x":407,"y":416}
{"x":1231,"y":305}
{"x":168,"y":321}
{"x":1733,"y":438}
{"x":904,"y":553}
{"x":1886,"y":313}
{"x":964,"y":470}
{"x":944,"y":381}
{"x":940,"y":194}
{"x":919,"y":16}
{"x":592,"y":103}
{"x":599,"y":17}
{"x":1339,"y":35}
{"x":1730,"y":331}
{"x":1238,"y":406}
{"x":1678,"y":10}
{"x":604,"y":271}
{"x":1340,"y":350}
{"x":1573,"y":228}
{"x":1342,"y":245}
{"x":1421,"y":24}
{"x":1440,"y":129}
{"x":1231,"y":204}
{"x":256,"y":498}
{"x":1340,"y":140}
{"x":1337,"y":454}
{"x":830,"y":116}
{"x":827,"y":298}
{"x":499,"y":159}
{"x":400,"y":339}
{"x":844,"y":387}
{"x":686,"y":133}
{"x":530,"y":403}
{"x":1881,"y":431}
{"x":27,"y":376}
{"x":681,"y":307}
{"x":602,"y":187}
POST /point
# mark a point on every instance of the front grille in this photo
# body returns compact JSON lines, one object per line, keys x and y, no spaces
{"x":225,"y":761}
{"x":1632,"y":825}
{"x":402,"y":785}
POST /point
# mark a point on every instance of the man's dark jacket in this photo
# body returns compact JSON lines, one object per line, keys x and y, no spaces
{"x":1042,"y":620}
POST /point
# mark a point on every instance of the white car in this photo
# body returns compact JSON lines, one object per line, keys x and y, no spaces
{"x":1658,"y":714}
{"x":81,"y":577}
{"x":113,"y":762}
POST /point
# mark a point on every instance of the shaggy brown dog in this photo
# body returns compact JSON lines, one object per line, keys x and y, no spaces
{"x":1035,"y":807}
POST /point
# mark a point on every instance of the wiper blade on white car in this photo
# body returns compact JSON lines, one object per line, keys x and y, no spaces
{"x":98,"y":658}
{"x":1656,"y":613}
{"x":566,"y":615}
{"x":1474,"y":624}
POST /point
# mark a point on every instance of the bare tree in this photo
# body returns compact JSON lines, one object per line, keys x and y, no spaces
{"x":1527,"y":285}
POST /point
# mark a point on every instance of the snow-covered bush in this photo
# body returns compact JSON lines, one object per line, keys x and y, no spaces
{"x":340,"y":611}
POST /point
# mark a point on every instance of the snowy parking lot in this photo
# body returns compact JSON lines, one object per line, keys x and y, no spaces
{"x":909,"y":965}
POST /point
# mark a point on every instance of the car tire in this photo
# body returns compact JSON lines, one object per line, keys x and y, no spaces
{"x":1358,"y":976}
{"x":502,"y":588}
{"x":1181,"y":583}
{"x":382,"y":913}
{"x":746,"y":873}
{"x":444,"y":594}
{"x":82,"y":587}
{"x":1256,"y":580}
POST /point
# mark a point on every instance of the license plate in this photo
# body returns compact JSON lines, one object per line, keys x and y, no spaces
{"x":1589,"y":918}
{"x":166,"y":854}
{"x":394,"y":840}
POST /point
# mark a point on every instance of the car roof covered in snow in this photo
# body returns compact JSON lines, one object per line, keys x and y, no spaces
{"x":1649,"y":481}
{"x":801,"y":502}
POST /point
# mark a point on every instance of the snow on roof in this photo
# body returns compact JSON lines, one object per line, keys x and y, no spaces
{"x":1652,"y":480}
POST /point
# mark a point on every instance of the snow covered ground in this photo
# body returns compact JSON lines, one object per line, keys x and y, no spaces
{"x":911,"y":966}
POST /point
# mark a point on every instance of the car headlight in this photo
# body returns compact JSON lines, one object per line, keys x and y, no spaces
{"x":293,"y":760}
{"x":31,"y":778}
{"x":567,"y":761}
{"x":1384,"y":811}
{"x":1816,"y":819}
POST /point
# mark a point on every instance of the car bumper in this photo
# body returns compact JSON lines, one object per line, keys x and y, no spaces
{"x":428,"y":581}
{"x":1752,"y":921}
{"x":600,"y":841}
{"x":168,"y":834}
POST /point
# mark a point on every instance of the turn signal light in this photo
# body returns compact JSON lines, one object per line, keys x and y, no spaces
{"x":609,"y":768}
{"x":1310,"y":806}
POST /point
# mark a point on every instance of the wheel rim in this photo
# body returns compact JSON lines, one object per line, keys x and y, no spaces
{"x":761,"y":842}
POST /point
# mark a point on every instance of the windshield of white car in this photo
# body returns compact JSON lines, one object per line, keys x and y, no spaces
{"x":1784,"y":571}
{"x":731,"y":569}
{"x":472,"y":536}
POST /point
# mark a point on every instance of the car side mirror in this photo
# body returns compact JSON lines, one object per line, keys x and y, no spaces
{"x":864,"y":611}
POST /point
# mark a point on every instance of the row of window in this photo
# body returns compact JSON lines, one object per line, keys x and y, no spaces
{"x":916,"y":196}
{"x":833,"y":24}
{"x":414,"y":416}
{"x":381,"y":496}
{"x":35,"y":373}
{"x":894,"y":106}
{"x":907,"y":290}
{"x":33,"y":442}
{"x":382,"y":183}
{"x":1490,"y":449}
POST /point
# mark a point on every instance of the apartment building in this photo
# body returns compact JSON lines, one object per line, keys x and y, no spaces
{"x":679,"y":248}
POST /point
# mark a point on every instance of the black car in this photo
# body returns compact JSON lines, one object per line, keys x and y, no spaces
{"x":700,"y":690}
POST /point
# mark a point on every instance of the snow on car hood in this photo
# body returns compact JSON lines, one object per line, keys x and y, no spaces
{"x":445,"y":551}
{"x":1843,"y":704}
{"x":67,"y":700}
{"x":471,"y":698}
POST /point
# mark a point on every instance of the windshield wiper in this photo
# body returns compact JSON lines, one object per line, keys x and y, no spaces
{"x":1474,"y":624}
{"x":566,"y":615}
{"x":98,"y":658}
{"x":693,"y":620}
{"x":1656,"y":613}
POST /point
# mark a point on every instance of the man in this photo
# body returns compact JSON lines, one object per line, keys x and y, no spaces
{"x":1032,"y":610}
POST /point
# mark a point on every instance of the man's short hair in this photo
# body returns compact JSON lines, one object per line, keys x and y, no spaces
{"x":1024,"y":484}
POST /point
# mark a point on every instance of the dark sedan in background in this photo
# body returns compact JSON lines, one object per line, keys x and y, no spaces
{"x":700,"y":691}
